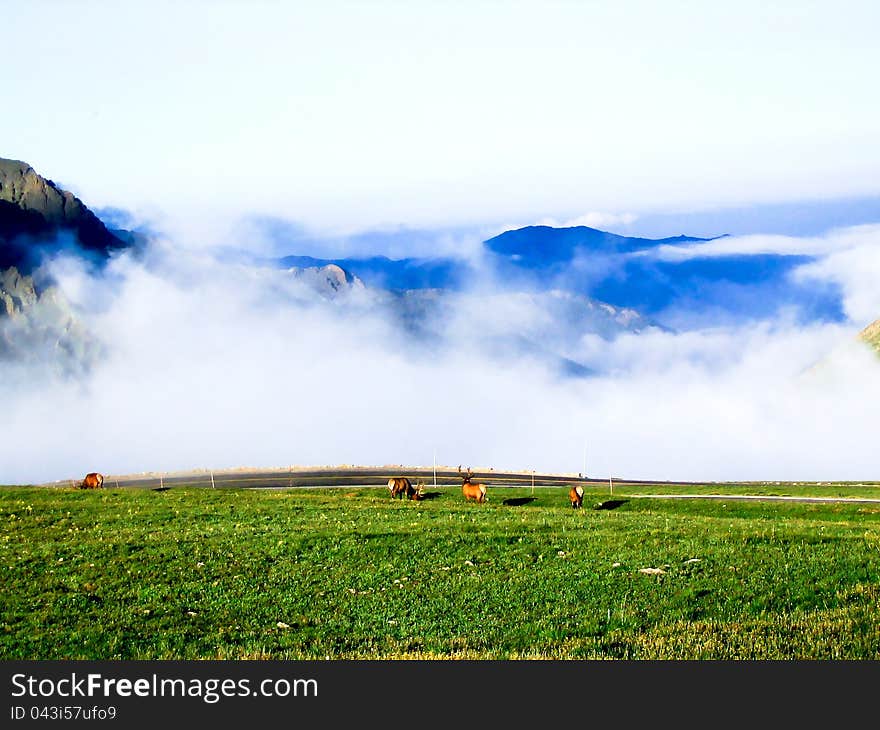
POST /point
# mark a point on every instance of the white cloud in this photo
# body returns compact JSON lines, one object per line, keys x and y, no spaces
{"x":212,"y":364}
{"x":865,"y":236}
{"x":846,"y":257}
{"x":856,"y":269}
{"x":347,"y":114}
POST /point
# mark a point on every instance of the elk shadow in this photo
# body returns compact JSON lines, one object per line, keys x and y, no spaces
{"x":611,"y":504}
{"x":160,"y":489}
{"x":429,"y":495}
{"x":518,"y":501}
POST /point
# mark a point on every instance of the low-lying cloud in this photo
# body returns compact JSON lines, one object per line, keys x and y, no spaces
{"x":206,"y":363}
{"x":833,"y":242}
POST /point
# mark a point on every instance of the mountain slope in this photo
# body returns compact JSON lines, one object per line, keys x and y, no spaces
{"x":871,"y":335}
{"x":38,"y":219}
{"x":690,"y":288}
{"x":35,"y":213}
{"x":549,"y":328}
{"x":38,"y":327}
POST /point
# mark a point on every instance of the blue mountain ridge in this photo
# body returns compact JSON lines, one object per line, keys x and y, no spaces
{"x":386,"y":273}
{"x":546,"y":245}
{"x":623,"y":271}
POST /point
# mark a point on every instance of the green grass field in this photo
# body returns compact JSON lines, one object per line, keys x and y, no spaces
{"x":349,"y":574}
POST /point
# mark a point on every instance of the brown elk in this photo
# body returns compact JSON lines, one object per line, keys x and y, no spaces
{"x":576,"y":496}
{"x":93,"y":480}
{"x":404,"y":488}
{"x":399,"y":487}
{"x":472,"y":490}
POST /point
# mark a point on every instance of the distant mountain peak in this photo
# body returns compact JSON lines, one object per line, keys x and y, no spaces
{"x":329,"y":280}
{"x":549,"y":245}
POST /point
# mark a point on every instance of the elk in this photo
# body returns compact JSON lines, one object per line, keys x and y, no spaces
{"x":576,"y":496}
{"x":472,"y":490}
{"x":93,"y":480}
{"x":399,"y":486}
{"x":403,"y":487}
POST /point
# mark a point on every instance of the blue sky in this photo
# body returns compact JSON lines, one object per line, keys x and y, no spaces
{"x":351,"y":115}
{"x":351,"y":125}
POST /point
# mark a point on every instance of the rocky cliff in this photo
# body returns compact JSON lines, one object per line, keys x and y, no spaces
{"x":38,"y":326}
{"x":37,"y":217}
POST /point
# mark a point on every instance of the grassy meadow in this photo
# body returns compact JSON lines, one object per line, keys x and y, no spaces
{"x":349,"y":574}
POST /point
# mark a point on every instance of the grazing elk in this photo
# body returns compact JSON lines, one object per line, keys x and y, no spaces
{"x":472,"y":490}
{"x":399,"y":487}
{"x":93,"y":480}
{"x":576,"y":496}
{"x":403,"y":487}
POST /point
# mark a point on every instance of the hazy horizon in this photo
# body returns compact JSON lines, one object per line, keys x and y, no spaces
{"x":347,"y":116}
{"x":407,"y":130}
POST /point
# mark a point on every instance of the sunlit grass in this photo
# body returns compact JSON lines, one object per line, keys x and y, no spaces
{"x":299,"y":574}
